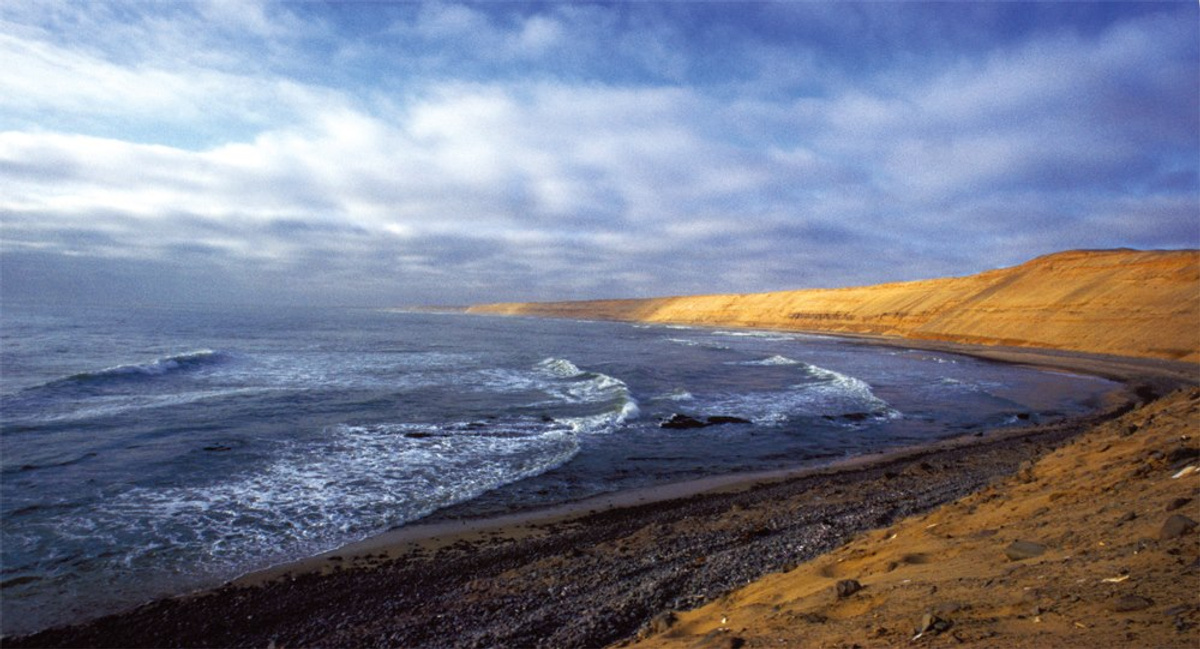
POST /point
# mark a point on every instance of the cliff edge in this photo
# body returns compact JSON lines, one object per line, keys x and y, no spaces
{"x":1122,"y":302}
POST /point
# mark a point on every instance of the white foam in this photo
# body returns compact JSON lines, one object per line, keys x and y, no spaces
{"x":828,"y":394}
{"x":848,"y":393}
{"x":316,"y":496}
{"x":569,"y":384}
{"x":687,"y":342}
{"x":764,"y":335}
{"x":560,"y":367}
{"x":115,"y":405}
{"x":678,"y":394}
{"x":774,"y":360}
{"x":159,"y":366}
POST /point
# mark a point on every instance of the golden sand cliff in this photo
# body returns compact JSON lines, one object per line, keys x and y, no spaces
{"x":1122,"y":302}
{"x":1092,"y":546}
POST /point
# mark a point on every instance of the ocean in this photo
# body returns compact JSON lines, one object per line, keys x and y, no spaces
{"x":152,"y":451}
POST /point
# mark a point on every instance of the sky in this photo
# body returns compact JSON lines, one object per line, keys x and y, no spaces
{"x":397,"y":153}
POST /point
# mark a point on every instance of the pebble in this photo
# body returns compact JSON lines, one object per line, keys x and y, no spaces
{"x":931,"y":623}
{"x":1021,"y":550}
{"x":658,"y":624}
{"x":848,"y":587}
{"x":1175,"y":526}
{"x":1129,"y":603}
{"x":1177,"y":503}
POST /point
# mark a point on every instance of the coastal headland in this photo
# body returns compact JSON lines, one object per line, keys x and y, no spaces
{"x":1073,"y":533}
{"x":1142,"y":304}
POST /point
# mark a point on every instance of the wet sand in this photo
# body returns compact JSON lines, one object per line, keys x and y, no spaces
{"x":601,"y":571}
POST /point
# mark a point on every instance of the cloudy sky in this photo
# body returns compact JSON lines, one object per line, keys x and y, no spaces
{"x":391,"y":153}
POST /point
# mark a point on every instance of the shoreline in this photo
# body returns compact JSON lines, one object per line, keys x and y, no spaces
{"x":454,"y":550}
{"x":1153,"y":376}
{"x":1061,"y":301}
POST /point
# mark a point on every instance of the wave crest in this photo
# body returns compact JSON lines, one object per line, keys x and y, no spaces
{"x":166,"y":365}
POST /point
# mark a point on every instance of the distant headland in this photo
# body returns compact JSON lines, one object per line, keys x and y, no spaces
{"x":1123,"y":302}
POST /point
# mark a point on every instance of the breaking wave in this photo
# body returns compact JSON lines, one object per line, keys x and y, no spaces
{"x":166,"y":365}
{"x":824,"y":393}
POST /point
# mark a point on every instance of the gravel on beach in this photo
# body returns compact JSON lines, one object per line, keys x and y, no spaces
{"x":581,"y":582}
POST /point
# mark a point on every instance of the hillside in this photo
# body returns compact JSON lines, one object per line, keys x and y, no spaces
{"x":1122,"y":302}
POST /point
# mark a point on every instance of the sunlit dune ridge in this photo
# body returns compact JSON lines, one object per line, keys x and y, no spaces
{"x":1123,"y":302}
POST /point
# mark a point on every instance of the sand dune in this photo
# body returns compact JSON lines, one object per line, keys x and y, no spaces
{"x":1092,"y":546}
{"x":1122,"y":302}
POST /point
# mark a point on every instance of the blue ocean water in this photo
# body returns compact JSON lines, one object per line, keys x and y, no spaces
{"x":152,"y":451}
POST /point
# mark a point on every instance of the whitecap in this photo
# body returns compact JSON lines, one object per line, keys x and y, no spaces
{"x":313,"y":497}
{"x":828,"y":394}
{"x":772,"y":361}
{"x":157,"y":367}
{"x":763,"y":335}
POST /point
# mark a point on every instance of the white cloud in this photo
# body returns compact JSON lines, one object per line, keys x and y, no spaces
{"x":525,"y":180}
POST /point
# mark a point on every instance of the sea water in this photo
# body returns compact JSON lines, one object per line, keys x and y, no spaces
{"x":152,"y":451}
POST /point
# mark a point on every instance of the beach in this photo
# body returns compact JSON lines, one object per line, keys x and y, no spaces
{"x":606,"y":572}
{"x":1069,"y":531}
{"x":1092,"y":545}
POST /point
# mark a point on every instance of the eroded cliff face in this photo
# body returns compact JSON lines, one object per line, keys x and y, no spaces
{"x":1124,"y":302}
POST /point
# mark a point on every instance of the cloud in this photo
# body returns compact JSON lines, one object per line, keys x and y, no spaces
{"x":508,"y":159}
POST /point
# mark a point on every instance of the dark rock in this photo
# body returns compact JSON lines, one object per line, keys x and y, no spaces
{"x":1178,"y":610}
{"x":1177,"y":503}
{"x":418,"y":435}
{"x":856,"y":416}
{"x":1127,"y":517}
{"x":1184,"y":455}
{"x":218,"y":448}
{"x":725,"y":419}
{"x":658,"y":624}
{"x":682,"y":422}
{"x":946,"y":608}
{"x":848,"y":587}
{"x":1021,"y":550}
{"x":1130,"y":603}
{"x":720,"y":639}
{"x":932,"y":624}
{"x":1175,"y":526}
{"x":754,"y":533}
{"x":814,"y":618}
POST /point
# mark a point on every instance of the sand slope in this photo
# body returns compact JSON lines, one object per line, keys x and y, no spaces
{"x":1123,"y":302}
{"x":1113,"y":572}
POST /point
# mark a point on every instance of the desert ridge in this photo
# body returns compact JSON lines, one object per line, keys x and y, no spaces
{"x":1123,"y":302}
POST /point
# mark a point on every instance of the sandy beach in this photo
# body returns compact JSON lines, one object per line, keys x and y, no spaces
{"x":1074,"y":532}
{"x":768,"y":552}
